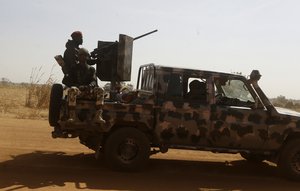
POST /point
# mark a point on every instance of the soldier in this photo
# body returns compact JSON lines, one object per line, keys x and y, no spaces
{"x":83,"y":83}
{"x":71,"y":55}
{"x":197,"y":91}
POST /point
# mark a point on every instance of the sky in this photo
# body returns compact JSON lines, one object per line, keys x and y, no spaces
{"x":217,"y":35}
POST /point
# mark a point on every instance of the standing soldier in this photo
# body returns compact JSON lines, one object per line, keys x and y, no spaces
{"x":71,"y":56}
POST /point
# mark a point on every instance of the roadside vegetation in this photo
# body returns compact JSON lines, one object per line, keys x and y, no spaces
{"x":26,"y":100}
{"x":282,"y":101}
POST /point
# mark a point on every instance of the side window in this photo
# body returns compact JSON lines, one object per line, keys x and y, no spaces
{"x":232,"y":92}
{"x":197,"y":89}
{"x":175,"y":86}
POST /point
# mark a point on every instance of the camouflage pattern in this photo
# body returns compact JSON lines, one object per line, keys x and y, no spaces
{"x":96,"y":93}
{"x":83,"y":107}
{"x":161,"y":110}
{"x":182,"y":123}
{"x":73,"y":92}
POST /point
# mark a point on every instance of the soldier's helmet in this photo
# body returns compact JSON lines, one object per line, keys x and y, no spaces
{"x":76,"y":35}
{"x":194,"y":85}
{"x":83,"y":51}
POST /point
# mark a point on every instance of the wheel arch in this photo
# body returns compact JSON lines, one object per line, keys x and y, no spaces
{"x":132,"y":124}
{"x":290,"y":137}
{"x":294,"y":135}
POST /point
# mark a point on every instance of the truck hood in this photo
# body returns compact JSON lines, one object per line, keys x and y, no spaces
{"x":285,"y":111}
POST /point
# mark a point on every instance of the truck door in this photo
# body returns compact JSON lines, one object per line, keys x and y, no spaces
{"x":235,"y":122}
{"x":183,"y":118}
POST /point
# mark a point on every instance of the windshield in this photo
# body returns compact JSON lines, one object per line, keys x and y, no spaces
{"x":237,"y":89}
{"x":232,"y":92}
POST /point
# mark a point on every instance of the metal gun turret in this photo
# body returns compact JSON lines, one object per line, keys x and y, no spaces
{"x":114,"y":59}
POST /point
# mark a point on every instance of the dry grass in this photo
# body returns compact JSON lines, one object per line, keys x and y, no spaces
{"x":12,"y":103}
{"x":26,"y":101}
{"x":38,"y":94}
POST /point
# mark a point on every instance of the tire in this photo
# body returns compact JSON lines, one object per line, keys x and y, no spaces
{"x":254,"y":158}
{"x":55,"y":104}
{"x":127,"y":149}
{"x":289,"y":161}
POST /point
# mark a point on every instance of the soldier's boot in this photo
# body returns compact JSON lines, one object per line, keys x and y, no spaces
{"x":72,"y":116}
{"x":98,"y":117}
{"x":72,"y":94}
{"x":99,"y":93}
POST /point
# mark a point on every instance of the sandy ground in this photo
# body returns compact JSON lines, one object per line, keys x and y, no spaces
{"x":31,"y":159}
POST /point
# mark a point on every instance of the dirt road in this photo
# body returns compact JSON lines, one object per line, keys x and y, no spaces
{"x":31,"y":159}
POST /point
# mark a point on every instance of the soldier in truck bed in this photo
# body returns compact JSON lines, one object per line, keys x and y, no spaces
{"x":83,"y":83}
{"x":81,"y":73}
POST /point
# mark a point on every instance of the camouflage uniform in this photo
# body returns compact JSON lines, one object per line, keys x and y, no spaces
{"x":96,"y":93}
{"x":83,"y":83}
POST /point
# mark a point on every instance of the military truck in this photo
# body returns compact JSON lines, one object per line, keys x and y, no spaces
{"x":183,"y":109}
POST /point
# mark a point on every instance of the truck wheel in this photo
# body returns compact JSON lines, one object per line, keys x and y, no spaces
{"x":127,"y":149}
{"x":255,"y":158}
{"x":55,"y":104}
{"x":289,"y":162}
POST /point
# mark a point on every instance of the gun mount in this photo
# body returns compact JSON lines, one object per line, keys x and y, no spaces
{"x":114,"y":59}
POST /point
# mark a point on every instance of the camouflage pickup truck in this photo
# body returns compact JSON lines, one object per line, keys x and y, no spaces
{"x":186,"y":109}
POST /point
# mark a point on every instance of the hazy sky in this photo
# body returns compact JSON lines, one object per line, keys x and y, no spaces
{"x":220,"y":35}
